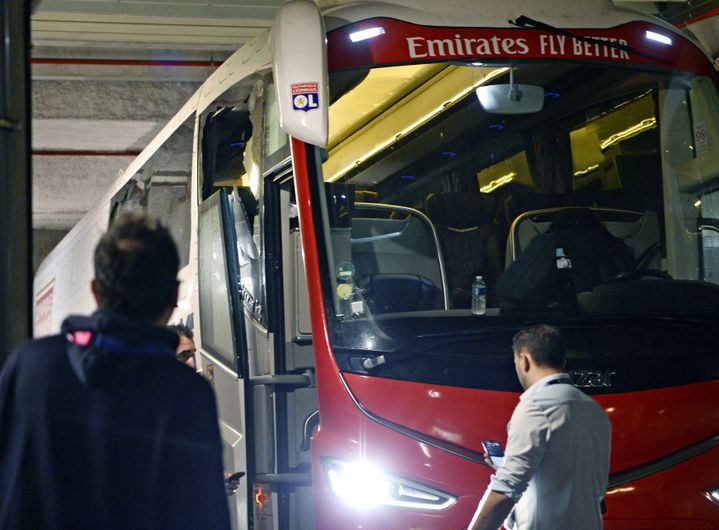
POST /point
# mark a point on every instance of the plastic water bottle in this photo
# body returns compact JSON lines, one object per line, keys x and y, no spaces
{"x":479,"y":296}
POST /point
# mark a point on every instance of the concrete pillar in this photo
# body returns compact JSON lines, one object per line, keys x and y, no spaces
{"x":15,"y":200}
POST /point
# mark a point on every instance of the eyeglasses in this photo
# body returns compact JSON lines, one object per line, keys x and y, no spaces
{"x":185,"y":354}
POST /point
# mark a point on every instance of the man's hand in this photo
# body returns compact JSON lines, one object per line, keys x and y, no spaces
{"x":493,"y":509}
{"x":232,"y":482}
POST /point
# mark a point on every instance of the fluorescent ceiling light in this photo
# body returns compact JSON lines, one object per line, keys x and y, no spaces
{"x":496,"y":183}
{"x":632,"y":131}
{"x":658,"y":37}
{"x":368,"y":33}
{"x":585,"y":171}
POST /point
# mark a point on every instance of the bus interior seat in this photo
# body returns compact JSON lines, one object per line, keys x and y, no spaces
{"x":469,"y":241}
{"x":517,"y":204}
{"x":634,"y":199}
{"x":397,"y":261}
{"x":639,"y":230}
{"x":595,"y":253}
{"x":532,"y":280}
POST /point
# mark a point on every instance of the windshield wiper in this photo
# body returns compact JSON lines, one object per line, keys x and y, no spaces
{"x":462,"y":333}
{"x":526,"y":22}
{"x":376,"y":363}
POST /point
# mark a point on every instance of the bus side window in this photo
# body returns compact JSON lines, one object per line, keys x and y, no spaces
{"x":161,"y":188}
{"x":169,"y":200}
{"x":225,"y":135}
{"x":230,"y":159}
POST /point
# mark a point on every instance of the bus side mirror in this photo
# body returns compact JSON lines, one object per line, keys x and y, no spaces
{"x":299,"y":63}
{"x":511,"y":98}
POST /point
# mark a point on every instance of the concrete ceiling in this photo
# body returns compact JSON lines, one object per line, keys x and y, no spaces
{"x":107,"y":74}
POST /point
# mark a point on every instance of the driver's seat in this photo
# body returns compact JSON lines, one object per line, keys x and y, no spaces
{"x":595,"y":253}
{"x":533,"y":282}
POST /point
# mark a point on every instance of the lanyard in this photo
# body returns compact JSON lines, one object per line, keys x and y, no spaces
{"x":562,"y":380}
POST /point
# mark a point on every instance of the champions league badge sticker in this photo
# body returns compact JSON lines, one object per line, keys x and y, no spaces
{"x":305,"y":96}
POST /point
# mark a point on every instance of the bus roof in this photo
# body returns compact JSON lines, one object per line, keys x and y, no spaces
{"x":559,"y":13}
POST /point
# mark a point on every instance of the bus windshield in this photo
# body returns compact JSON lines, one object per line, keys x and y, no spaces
{"x":599,"y":202}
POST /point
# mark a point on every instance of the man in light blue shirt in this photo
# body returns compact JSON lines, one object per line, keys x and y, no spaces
{"x":556,"y":464}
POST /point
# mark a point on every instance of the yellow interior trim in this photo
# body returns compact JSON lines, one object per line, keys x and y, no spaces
{"x":446,"y":89}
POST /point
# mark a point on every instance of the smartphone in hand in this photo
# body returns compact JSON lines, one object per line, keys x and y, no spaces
{"x":232,"y":482}
{"x":495,"y":452}
{"x":235,"y":476}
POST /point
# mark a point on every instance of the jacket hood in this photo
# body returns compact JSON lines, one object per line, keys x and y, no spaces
{"x":102,"y":347}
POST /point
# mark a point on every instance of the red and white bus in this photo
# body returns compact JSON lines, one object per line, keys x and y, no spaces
{"x":336,"y":186}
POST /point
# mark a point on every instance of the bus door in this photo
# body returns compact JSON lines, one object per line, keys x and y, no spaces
{"x":223,"y":343}
{"x":256,"y":300}
{"x":281,"y":355}
{"x":294,"y":388}
{"x":280,"y":361}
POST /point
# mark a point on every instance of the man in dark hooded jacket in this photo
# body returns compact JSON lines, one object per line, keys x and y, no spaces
{"x":100,"y":426}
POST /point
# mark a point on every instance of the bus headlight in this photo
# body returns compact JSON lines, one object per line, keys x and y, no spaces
{"x":363,"y":485}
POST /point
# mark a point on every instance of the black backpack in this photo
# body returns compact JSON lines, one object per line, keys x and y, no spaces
{"x":534,"y":282}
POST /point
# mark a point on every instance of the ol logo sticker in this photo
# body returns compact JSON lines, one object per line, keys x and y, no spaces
{"x":305,"y":96}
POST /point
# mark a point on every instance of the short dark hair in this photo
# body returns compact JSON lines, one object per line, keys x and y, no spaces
{"x":136,"y":264}
{"x":182,"y":330}
{"x":544,"y":343}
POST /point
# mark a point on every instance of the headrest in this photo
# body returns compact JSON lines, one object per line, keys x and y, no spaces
{"x":516,"y":205}
{"x":457,"y":209}
{"x":575,"y":219}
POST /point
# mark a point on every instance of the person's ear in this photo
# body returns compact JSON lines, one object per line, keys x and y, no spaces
{"x":524,"y":362}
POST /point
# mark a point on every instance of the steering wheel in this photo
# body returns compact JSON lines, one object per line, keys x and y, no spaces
{"x":640,"y":271}
{"x":637,"y":274}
